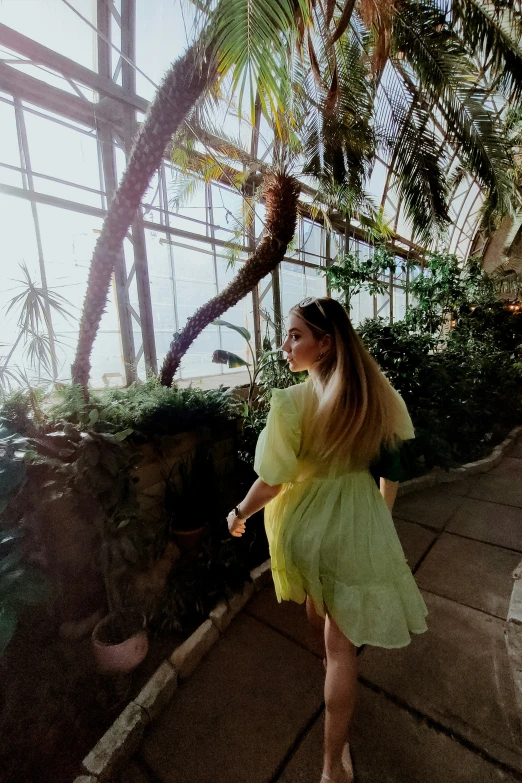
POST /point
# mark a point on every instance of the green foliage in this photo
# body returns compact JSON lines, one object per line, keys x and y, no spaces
{"x":144,"y":408}
{"x":461,"y":395}
{"x":351,"y":274}
{"x":196,"y":586}
{"x":441,"y":288}
{"x":21,"y":410}
{"x":19,"y":583}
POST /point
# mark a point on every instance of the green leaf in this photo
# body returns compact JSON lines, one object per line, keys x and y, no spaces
{"x":123,"y":434}
{"x":8,"y":620}
{"x":241,"y":329}
{"x":94,"y":415}
{"x":225,"y":357}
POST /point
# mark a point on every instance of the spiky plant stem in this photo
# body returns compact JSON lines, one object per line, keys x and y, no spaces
{"x":281,"y":197}
{"x":181,"y":88}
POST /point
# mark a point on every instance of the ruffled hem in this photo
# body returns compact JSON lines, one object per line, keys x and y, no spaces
{"x":381,"y":615}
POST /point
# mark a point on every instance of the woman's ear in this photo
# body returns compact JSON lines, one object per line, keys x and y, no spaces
{"x":326,"y":343}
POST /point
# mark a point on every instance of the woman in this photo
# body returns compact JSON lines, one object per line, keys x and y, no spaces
{"x":330,"y":531}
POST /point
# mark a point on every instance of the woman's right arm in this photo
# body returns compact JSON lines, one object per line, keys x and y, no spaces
{"x":256,"y":498}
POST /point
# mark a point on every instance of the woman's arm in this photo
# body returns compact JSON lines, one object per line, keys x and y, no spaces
{"x":388,"y":490}
{"x":257,"y":497}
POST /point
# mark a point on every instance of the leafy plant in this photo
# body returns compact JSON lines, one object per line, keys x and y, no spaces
{"x":145,"y":408}
{"x":266,"y":363}
{"x":350,"y":274}
{"x":36,"y":305}
{"x":19,"y":583}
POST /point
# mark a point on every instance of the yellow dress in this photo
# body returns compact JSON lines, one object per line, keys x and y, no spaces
{"x":331,"y":535}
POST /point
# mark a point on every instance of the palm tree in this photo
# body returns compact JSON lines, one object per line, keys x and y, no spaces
{"x":439,"y":61}
{"x":281,"y":196}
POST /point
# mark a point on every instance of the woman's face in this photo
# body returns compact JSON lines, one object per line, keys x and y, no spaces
{"x":301,"y":347}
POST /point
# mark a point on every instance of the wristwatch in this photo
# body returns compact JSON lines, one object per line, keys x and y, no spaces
{"x":238,"y":513}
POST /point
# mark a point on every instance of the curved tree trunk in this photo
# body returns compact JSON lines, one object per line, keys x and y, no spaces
{"x":281,"y":196}
{"x":181,"y":88}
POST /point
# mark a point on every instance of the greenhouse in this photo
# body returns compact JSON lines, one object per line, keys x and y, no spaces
{"x":260,"y":255}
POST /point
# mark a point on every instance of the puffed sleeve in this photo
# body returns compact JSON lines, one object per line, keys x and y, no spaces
{"x":279,"y":443}
{"x":397,"y":464}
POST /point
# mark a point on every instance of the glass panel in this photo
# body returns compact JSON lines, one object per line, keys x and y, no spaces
{"x":9,"y":150}
{"x":399,"y":304}
{"x":162,"y":31}
{"x":52,"y":24}
{"x":62,"y":152}
{"x":383,"y":306}
{"x":313,"y":242}
{"x":361,"y":307}
{"x":68,"y":240}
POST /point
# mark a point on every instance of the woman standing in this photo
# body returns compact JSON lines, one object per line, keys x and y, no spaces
{"x":330,"y":531}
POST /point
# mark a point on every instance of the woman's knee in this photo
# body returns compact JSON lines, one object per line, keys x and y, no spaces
{"x":337,"y":644}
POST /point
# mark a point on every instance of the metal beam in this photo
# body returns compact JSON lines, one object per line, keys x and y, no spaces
{"x":111,"y":183}
{"x":41,"y":55}
{"x":42,"y":94}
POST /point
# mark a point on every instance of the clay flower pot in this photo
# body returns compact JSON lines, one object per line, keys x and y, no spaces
{"x":189,"y":540}
{"x":120,"y":642}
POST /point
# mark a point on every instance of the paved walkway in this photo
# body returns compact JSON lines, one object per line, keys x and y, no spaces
{"x":441,"y":710}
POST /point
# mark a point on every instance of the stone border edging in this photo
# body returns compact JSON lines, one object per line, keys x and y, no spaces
{"x":123,"y":738}
{"x":513,"y":634}
{"x":441,"y":476}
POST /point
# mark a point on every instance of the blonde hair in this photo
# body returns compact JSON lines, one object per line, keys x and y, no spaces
{"x":357,"y":409}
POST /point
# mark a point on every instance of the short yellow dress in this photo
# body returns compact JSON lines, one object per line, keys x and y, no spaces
{"x":330,"y":533}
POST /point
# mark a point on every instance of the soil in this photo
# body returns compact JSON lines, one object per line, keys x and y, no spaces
{"x":119,"y":626}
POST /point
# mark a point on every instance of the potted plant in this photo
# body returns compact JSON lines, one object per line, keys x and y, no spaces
{"x":120,"y":641}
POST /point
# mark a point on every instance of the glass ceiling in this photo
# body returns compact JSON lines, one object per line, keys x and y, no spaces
{"x":54,"y":189}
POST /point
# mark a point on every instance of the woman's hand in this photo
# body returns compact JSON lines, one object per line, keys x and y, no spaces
{"x":236,"y":525}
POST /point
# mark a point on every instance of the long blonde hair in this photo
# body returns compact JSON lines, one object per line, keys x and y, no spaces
{"x":357,"y":409}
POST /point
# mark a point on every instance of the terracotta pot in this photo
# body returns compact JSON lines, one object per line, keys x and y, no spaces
{"x":113,"y":655}
{"x":188,"y":540}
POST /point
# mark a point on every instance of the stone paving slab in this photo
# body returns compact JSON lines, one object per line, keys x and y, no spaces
{"x":234,"y":721}
{"x":134,"y":773}
{"x":431,"y":507}
{"x":469,"y":572}
{"x":516,"y":451}
{"x":414,"y":538}
{"x":490,"y":522}
{"x":287,"y":617}
{"x":458,"y":674}
{"x":503,"y":489}
{"x":459,"y":487}
{"x":390,"y":745}
{"x":510,"y":466}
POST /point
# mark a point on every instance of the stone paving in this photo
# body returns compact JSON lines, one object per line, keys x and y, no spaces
{"x":442,"y":710}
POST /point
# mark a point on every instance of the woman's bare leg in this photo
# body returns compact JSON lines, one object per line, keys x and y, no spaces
{"x":339,"y":696}
{"x":317,"y":625}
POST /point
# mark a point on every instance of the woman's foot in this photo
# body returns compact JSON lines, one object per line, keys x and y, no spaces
{"x":340,"y":777}
{"x":345,"y":774}
{"x":346,"y":761}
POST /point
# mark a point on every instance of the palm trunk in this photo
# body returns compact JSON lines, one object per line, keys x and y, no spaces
{"x":179,"y":91}
{"x":281,"y":196}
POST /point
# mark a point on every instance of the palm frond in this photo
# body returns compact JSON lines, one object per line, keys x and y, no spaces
{"x":420,"y":173}
{"x":494,"y":34}
{"x":254,"y":39}
{"x":436,"y":67}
